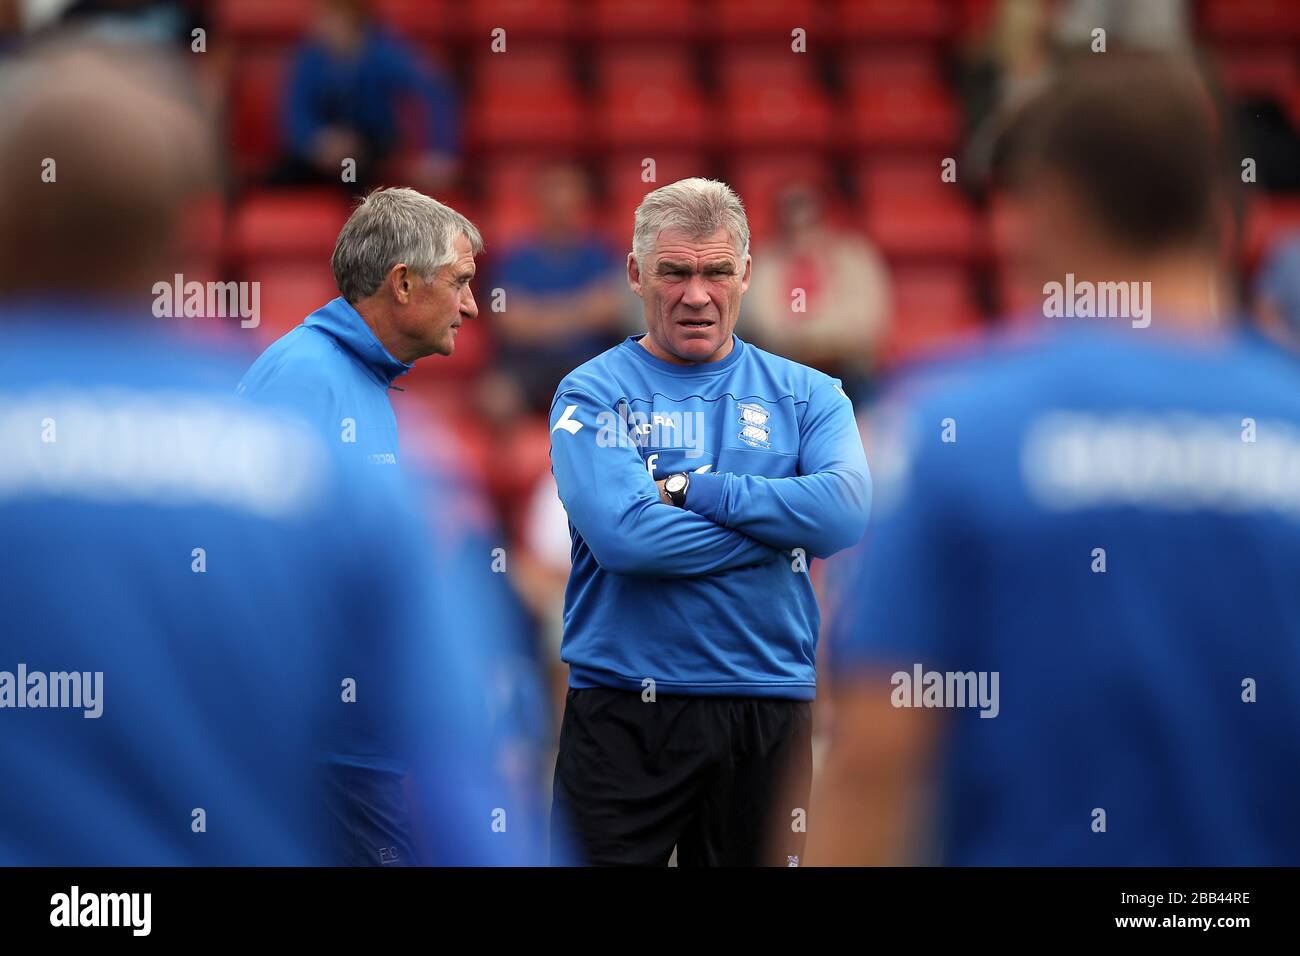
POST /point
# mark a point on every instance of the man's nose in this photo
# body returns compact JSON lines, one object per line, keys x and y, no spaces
{"x":468,"y":307}
{"x":696,"y":294}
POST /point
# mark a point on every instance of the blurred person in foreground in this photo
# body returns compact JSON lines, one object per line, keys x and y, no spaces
{"x":563,"y":302}
{"x":1074,"y":638}
{"x":192,"y":588}
{"x":701,"y":477}
{"x":343,"y":100}
{"x":838,"y":318}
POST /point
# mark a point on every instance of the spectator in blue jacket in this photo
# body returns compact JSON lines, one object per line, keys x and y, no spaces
{"x":345,"y":89}
{"x":564,"y":303}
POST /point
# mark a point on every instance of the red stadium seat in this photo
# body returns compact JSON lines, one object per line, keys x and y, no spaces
{"x":1292,"y":104}
{"x":976,"y":17}
{"x":926,"y":226}
{"x":742,"y":19}
{"x":549,"y":119}
{"x":872,"y":67}
{"x":777,"y":115}
{"x":933,"y":309}
{"x":451,"y":441}
{"x":912,"y":213}
{"x":253,"y":111}
{"x":244,"y":21}
{"x":523,"y":454}
{"x":1264,"y":20}
{"x":1256,"y":70}
{"x":652,"y":116}
{"x":620,"y":66}
{"x":907,"y":174}
{"x":897,"y":116}
{"x":772,"y":100}
{"x":769,"y":65}
{"x":636,"y":19}
{"x":525,"y":99}
{"x":522,"y":18}
{"x":895,"y":19}
{"x":419,"y":21}
{"x":289,"y":292}
{"x":1016,"y":304}
{"x":530,"y":66}
{"x":203,"y":238}
{"x":300,"y":225}
{"x":508,"y":197}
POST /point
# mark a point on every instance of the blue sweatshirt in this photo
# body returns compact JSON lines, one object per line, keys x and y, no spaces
{"x":333,"y":370}
{"x":363,"y":94}
{"x":1115,"y":532}
{"x":715,"y":598}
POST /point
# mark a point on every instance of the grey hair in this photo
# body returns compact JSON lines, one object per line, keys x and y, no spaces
{"x":397,"y":225}
{"x":697,"y":207}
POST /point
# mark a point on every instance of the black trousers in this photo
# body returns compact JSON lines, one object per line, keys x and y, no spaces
{"x":708,"y":775}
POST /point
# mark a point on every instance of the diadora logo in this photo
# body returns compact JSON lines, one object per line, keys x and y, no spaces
{"x":677,"y":428}
{"x":657,"y":420}
{"x":567,"y":421}
{"x":753,"y":421}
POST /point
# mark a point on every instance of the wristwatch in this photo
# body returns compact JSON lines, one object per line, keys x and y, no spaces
{"x":675,"y":488}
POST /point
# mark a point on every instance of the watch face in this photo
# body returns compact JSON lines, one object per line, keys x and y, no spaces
{"x":675,"y":483}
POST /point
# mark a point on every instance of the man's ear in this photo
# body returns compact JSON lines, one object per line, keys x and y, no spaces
{"x":633,"y":273}
{"x":744,"y":279}
{"x":399,"y":281}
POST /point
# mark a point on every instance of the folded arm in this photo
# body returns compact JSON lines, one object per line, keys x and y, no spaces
{"x":614,"y":504}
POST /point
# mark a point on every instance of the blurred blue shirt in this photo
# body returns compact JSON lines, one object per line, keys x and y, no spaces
{"x":552,"y":271}
{"x":226,"y":574}
{"x":1122,"y":691}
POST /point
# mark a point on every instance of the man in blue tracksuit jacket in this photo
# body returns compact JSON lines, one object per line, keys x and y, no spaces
{"x":701,"y":476}
{"x":403,"y":263}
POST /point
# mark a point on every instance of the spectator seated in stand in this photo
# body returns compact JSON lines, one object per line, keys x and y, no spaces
{"x":564,"y":297}
{"x":346,"y":85}
{"x":819,"y":294}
